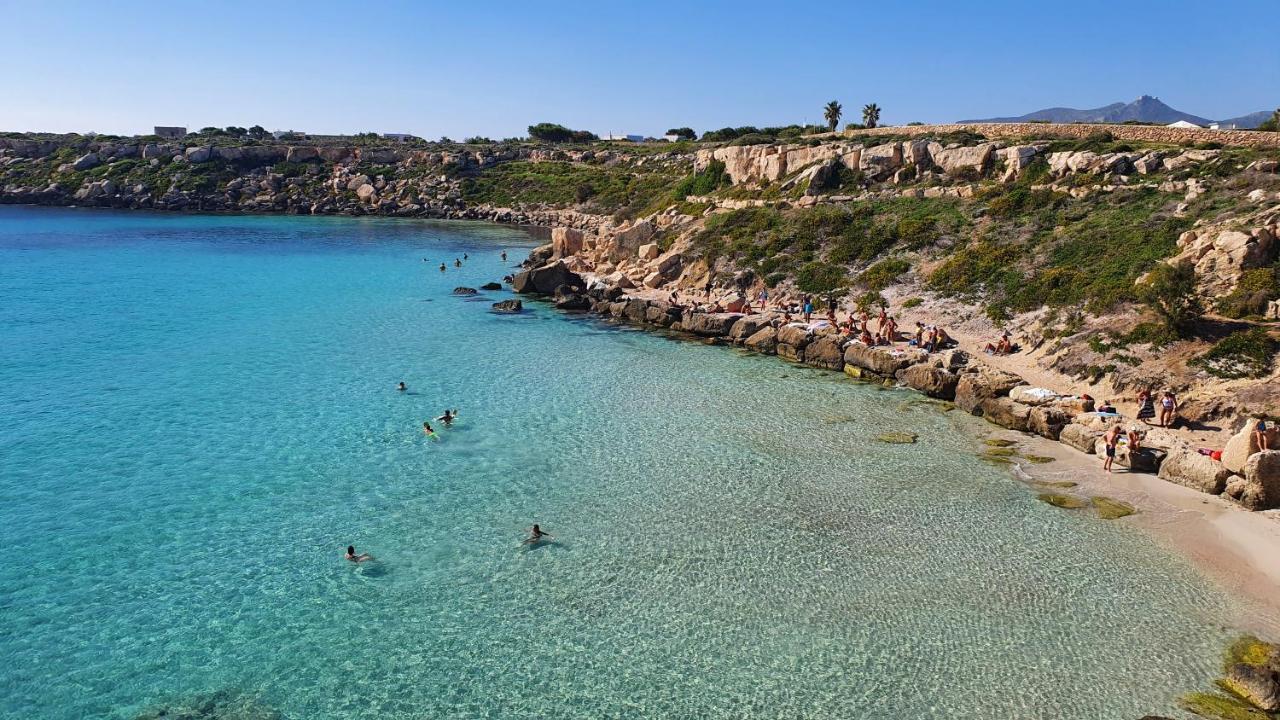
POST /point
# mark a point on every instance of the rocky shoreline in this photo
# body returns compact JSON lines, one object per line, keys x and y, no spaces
{"x":1246,"y":474}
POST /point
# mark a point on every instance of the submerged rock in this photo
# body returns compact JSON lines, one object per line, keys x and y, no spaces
{"x":1109,"y":509}
{"x":464,"y":291}
{"x":1070,"y":502}
{"x":508,"y":306}
{"x":491,"y":286}
{"x":897,"y":438}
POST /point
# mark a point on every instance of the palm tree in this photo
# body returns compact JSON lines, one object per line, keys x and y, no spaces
{"x":871,"y":115}
{"x":832,"y":114}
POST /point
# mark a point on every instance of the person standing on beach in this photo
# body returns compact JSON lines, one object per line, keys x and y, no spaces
{"x":1168,"y":409}
{"x":1146,"y":408}
{"x":1111,"y":439}
{"x":808,"y":308}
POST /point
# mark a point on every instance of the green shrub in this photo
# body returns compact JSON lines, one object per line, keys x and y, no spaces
{"x":710,"y":179}
{"x":883,"y":273}
{"x":912,"y":302}
{"x":1243,"y":354}
{"x":1170,"y":290}
{"x":820,"y":278}
{"x":1256,"y":289}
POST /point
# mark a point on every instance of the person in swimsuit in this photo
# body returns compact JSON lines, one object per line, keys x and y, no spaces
{"x":464,"y":256}
{"x":1146,"y":408}
{"x":441,"y":267}
{"x":353,"y":557}
{"x":457,"y":262}
{"x":1107,"y":407}
{"x":402,"y":387}
{"x":504,"y":256}
{"x":447,"y":417}
{"x":808,"y":308}
{"x":1260,"y":435}
{"x":1168,"y":409}
{"x":1111,"y":439}
{"x":428,"y":430}
{"x":536,"y":535}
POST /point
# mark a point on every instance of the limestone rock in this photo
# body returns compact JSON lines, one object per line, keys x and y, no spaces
{"x":87,"y":161}
{"x":929,"y":379}
{"x":1259,"y":489}
{"x":626,"y":243}
{"x":1005,"y":412}
{"x":1046,"y":421}
{"x":794,"y":336}
{"x":1184,"y":466}
{"x":198,"y":154}
{"x":1243,"y":444}
{"x":508,"y":306}
{"x":763,"y":340}
{"x":824,"y":352}
{"x":648,"y":251}
{"x":544,"y":280}
{"x":709,"y":324}
{"x":1258,"y":684}
{"x":301,"y":154}
{"x":1028,"y":395}
{"x":566,"y":241}
{"x":790,"y":352}
{"x":465,"y":291}
{"x":746,"y":326}
{"x":879,"y":162}
{"x":964,"y":159}
{"x":366,"y":193}
{"x":1080,"y":437}
{"x":881,"y":360}
{"x":982,"y":383}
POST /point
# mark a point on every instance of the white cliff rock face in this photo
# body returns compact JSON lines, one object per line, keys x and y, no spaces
{"x":880,"y":161}
{"x":1220,"y":257}
{"x":86,"y":162}
{"x":1016,"y":159}
{"x":771,"y":163}
{"x":974,"y":159}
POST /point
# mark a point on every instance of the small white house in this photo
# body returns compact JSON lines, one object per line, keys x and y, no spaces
{"x":1221,"y":126}
{"x":1184,"y":125}
{"x":623,"y":138}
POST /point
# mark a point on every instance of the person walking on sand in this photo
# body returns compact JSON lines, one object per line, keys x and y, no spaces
{"x":1146,"y":408}
{"x":1111,"y":439}
{"x":1168,"y":409}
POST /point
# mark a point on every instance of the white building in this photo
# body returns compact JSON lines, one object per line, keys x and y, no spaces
{"x":1220,"y":126}
{"x":622,"y":138}
{"x":1184,"y":125}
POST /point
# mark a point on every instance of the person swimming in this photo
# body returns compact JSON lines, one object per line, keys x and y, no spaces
{"x":428,"y":430}
{"x":353,"y":557}
{"x":504,"y":256}
{"x":402,"y":387}
{"x":464,"y":256}
{"x":457,"y":262}
{"x":536,"y":535}
{"x":441,"y":267}
{"x":448,"y":417}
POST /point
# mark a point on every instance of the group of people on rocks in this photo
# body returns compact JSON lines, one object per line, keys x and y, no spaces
{"x":1134,"y":435}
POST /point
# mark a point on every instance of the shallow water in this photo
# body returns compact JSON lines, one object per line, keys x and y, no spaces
{"x":197,"y":414}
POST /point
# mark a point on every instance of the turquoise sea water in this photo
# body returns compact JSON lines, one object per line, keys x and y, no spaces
{"x":198,"y":414}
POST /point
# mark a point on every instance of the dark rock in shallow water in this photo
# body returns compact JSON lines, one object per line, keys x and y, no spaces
{"x":491,"y":286}
{"x":222,"y":705}
{"x":572,"y":301}
{"x":508,"y":306}
{"x":544,"y":280}
{"x":464,"y":291}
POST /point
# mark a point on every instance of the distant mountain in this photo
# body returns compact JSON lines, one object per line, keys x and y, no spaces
{"x":1144,"y":109}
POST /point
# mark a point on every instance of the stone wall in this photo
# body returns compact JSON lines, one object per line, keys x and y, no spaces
{"x":1139,"y":133}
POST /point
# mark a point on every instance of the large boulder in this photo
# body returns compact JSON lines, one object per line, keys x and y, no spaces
{"x":1258,"y":684}
{"x":1006,"y":413}
{"x":982,"y":383}
{"x":879,"y":162}
{"x":662,"y":315}
{"x":709,"y":324}
{"x":746,"y":326}
{"x":884,"y":361}
{"x":786,"y":351}
{"x":544,"y":280}
{"x":1046,"y":421}
{"x":824,"y":352}
{"x":1244,"y":444}
{"x":86,"y":162}
{"x":794,"y":336}
{"x":566,"y":241}
{"x":626,"y":243}
{"x":764,"y":340}
{"x":301,"y":153}
{"x":508,"y":306}
{"x":1259,"y":489}
{"x":1185,"y":466}
{"x":1080,"y":437}
{"x":930,"y":379}
{"x":963,"y":159}
{"x":199,"y":154}
{"x":1028,"y":395}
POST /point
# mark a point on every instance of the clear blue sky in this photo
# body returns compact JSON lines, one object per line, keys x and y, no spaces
{"x":493,"y":68}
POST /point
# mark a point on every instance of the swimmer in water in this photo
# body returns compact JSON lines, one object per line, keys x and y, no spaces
{"x":448,"y":416}
{"x":353,"y":557}
{"x":402,"y":387}
{"x":441,"y":267}
{"x":536,"y":535}
{"x":457,"y":262}
{"x":504,"y":256}
{"x":464,"y":256}
{"x":428,"y":430}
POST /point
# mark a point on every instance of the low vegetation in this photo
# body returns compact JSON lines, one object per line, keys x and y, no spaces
{"x":1243,"y":354}
{"x":599,"y":188}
